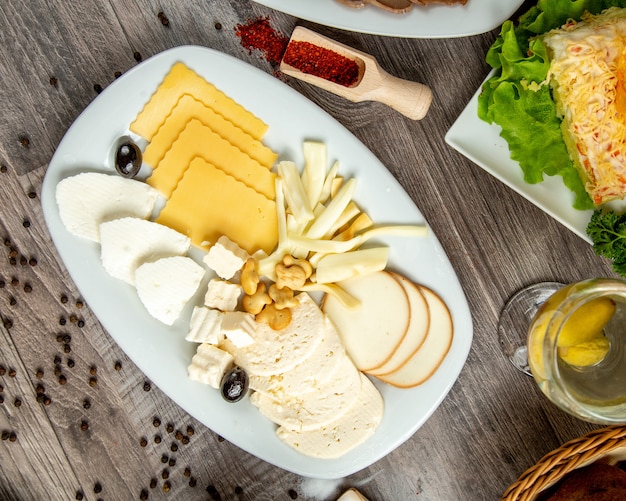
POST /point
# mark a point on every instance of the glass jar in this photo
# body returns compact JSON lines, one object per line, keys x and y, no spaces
{"x":576,"y":349}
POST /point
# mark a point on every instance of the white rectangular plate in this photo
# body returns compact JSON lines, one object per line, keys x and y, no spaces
{"x":161,"y":352}
{"x":482,"y":144}
{"x":433,"y":21}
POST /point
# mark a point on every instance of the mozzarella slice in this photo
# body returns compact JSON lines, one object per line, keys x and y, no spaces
{"x":344,"y":433}
{"x":128,"y":242}
{"x":90,"y":198}
{"x":166,"y":285}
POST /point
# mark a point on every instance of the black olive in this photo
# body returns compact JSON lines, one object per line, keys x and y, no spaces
{"x":234,"y":384}
{"x":128,"y":159}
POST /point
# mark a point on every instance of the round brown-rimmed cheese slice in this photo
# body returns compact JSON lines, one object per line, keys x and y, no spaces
{"x":416,"y":333}
{"x":428,"y":358}
{"x":372,"y":331}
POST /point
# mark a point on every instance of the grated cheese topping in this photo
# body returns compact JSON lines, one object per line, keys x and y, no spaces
{"x":587,"y":73}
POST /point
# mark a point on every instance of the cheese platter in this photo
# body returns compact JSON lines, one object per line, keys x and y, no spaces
{"x":160,"y":350}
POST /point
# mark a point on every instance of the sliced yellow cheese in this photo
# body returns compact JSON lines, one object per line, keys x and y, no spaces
{"x":187,"y":108}
{"x":182,"y":80}
{"x":198,"y":140}
{"x":208,"y":203}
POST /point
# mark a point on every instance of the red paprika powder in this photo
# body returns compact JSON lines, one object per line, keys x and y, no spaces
{"x":321,"y":62}
{"x":258,"y":34}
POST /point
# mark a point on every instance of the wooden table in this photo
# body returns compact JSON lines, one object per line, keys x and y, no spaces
{"x":75,"y":408}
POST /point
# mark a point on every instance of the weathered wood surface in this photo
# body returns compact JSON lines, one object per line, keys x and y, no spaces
{"x":492,"y":426}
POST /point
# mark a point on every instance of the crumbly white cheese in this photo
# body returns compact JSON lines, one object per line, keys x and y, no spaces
{"x":209,"y":365}
{"x":205,"y":326}
{"x":128,"y":242}
{"x":327,"y":369}
{"x":222,"y":295}
{"x":166,"y":285}
{"x":344,"y":433}
{"x":225,"y":258}
{"x":278,"y":351}
{"x":239,"y":327}
{"x":90,"y":198}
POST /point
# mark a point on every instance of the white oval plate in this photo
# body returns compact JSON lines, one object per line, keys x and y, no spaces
{"x":433,"y":21}
{"x":161,"y":352}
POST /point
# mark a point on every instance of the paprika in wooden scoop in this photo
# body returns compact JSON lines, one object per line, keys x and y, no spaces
{"x":350,"y":73}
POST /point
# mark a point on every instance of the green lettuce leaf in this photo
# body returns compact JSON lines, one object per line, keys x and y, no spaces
{"x":515,"y":100}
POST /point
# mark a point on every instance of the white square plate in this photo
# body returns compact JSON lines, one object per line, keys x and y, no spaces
{"x":482,"y":144}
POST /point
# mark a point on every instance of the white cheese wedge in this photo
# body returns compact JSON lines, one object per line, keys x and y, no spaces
{"x":129,"y":242}
{"x":222,"y":295}
{"x":88,"y":199}
{"x":205,"y":326}
{"x":278,"y":351}
{"x":343,"y":434}
{"x":165,"y":286}
{"x":209,"y":365}
{"x":225,"y":257}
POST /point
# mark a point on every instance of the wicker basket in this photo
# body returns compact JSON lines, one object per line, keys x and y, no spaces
{"x":608,"y":444}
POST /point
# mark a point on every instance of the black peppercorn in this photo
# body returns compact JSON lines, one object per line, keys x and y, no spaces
{"x":97,"y":488}
{"x":143,"y":441}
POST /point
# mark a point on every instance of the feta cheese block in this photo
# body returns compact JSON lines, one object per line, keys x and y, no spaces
{"x":209,"y":365}
{"x":278,"y":351}
{"x":239,"y":327}
{"x":222,"y":295}
{"x":129,"y":242}
{"x":90,"y":198}
{"x":205,"y":326}
{"x":343,"y":434}
{"x":225,"y":257}
{"x":166,"y":285}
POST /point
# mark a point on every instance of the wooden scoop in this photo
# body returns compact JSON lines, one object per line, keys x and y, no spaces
{"x":373,"y":84}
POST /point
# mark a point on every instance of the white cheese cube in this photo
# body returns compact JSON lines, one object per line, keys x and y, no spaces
{"x":209,"y":365}
{"x":205,"y":326}
{"x":239,"y":327}
{"x":128,"y":242}
{"x":225,"y":257}
{"x":222,"y":295}
{"x":90,"y":198}
{"x":165,"y":286}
